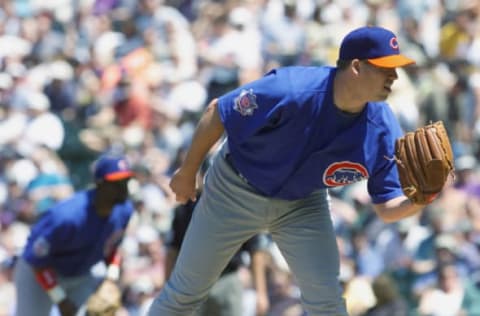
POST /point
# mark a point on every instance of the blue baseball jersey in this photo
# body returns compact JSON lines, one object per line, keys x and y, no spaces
{"x":70,"y":237}
{"x":288,"y":139}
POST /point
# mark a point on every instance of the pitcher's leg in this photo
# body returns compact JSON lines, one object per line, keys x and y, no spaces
{"x":202,"y":257}
{"x":227,"y":215}
{"x":306,"y":238}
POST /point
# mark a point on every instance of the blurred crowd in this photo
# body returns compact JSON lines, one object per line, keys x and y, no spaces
{"x":81,"y":77}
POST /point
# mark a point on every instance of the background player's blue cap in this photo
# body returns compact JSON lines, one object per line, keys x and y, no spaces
{"x":112,"y":168}
{"x":377,"y":45}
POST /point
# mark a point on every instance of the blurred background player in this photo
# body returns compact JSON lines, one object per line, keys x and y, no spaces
{"x":70,"y":238}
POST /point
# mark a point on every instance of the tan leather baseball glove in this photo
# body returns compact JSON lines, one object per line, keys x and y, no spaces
{"x":424,"y":160}
{"x":106,"y":300}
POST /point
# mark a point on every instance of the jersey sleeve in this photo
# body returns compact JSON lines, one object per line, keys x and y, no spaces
{"x":384,"y":184}
{"x":254,"y":106}
{"x":46,"y":239}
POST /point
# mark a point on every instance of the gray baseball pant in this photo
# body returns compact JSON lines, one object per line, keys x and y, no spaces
{"x":33,"y":300}
{"x":229,"y":212}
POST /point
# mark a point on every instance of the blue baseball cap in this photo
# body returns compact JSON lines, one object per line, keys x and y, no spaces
{"x":377,"y":45}
{"x":112,"y":168}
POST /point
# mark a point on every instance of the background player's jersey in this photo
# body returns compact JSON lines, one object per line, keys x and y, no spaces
{"x":317,"y":146}
{"x":71,"y":237}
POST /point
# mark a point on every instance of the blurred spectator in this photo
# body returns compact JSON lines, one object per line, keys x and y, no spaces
{"x":60,"y":90}
{"x":283,"y":42}
{"x":223,"y":55}
{"x":445,"y":298}
{"x":359,"y":295}
{"x":77,"y":151}
{"x":7,"y":288}
{"x":166,"y":134}
{"x":456,"y":34}
{"x":368,"y":261}
{"x":398,"y":245}
{"x":445,"y":254}
{"x":138,"y":295}
{"x":156,"y":210}
{"x":424,"y":257}
{"x":471,"y":303}
{"x":388,"y":299}
{"x":131,"y":106}
{"x":51,"y":184}
{"x":467,"y":179}
{"x":43,"y":127}
{"x":319,"y":39}
{"x":143,"y":268}
{"x":48,"y":41}
{"x":283,"y":292}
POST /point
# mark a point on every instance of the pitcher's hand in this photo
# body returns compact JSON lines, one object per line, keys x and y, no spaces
{"x":183,"y":184}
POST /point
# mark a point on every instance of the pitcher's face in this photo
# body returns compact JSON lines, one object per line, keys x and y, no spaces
{"x":377,"y":81}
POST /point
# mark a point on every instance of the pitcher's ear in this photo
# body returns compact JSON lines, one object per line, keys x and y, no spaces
{"x":356,"y":65}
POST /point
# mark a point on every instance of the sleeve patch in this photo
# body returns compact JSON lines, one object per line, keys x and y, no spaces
{"x":246,"y":102}
{"x":41,"y":247}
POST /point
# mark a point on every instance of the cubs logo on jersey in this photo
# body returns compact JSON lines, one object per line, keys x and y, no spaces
{"x":343,"y":173}
{"x":246,"y":102}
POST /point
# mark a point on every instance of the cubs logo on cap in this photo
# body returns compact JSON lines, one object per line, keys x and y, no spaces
{"x":112,"y":168}
{"x":377,"y":45}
